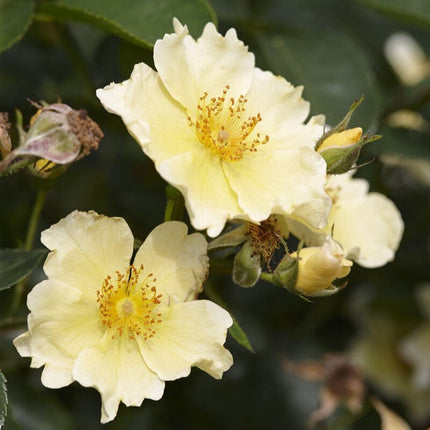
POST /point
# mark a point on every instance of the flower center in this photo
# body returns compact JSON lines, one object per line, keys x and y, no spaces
{"x":128,"y":304}
{"x":222,"y":127}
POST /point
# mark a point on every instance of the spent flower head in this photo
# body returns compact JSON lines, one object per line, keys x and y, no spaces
{"x":57,"y":134}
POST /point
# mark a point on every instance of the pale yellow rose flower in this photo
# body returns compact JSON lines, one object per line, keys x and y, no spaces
{"x":123,"y":327}
{"x":231,"y":137}
{"x":367,"y":225}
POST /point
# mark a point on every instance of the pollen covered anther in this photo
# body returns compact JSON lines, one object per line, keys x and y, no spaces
{"x":221,"y":126}
{"x":128,"y":305}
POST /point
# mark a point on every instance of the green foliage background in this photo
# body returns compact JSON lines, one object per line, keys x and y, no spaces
{"x":67,"y":49}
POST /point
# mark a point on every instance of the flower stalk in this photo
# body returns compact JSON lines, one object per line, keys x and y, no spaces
{"x":28,"y":245}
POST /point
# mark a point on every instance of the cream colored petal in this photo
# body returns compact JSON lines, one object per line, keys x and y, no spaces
{"x":23,"y":345}
{"x":307,"y":134}
{"x":86,"y":247}
{"x":116,"y":369}
{"x":303,"y":231}
{"x":188,"y":68}
{"x":178,"y":261}
{"x":281,"y":107}
{"x":58,"y":367}
{"x":344,"y":188}
{"x":282,"y":182}
{"x":208,"y":197}
{"x":370,"y":229}
{"x":56,"y":377}
{"x":191,"y":334}
{"x":152,"y":116}
{"x":112,"y":96}
{"x":60,"y":326}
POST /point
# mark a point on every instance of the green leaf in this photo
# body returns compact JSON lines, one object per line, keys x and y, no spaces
{"x":412,"y":10}
{"x":15,"y":18}
{"x":141,"y":22}
{"x":16,"y":264}
{"x":3,"y":399}
{"x":333,"y":70}
{"x":239,"y":335}
{"x":33,"y":408}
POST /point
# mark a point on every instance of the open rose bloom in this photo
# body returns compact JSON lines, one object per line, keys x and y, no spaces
{"x":231,"y":137}
{"x":368,"y":226}
{"x":121,"y":326}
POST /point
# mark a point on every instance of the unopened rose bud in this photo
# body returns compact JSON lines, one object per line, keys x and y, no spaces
{"x":341,"y":150}
{"x":340,"y":147}
{"x":319,"y":267}
{"x":342,"y":139}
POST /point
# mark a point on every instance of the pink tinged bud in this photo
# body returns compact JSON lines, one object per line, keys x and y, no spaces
{"x":60,"y":134}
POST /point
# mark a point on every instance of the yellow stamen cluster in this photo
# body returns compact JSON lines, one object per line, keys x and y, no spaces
{"x":221,"y":126}
{"x":265,"y":238}
{"x":128,"y":305}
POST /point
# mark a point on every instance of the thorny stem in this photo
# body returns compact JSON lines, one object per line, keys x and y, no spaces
{"x":28,"y":245}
